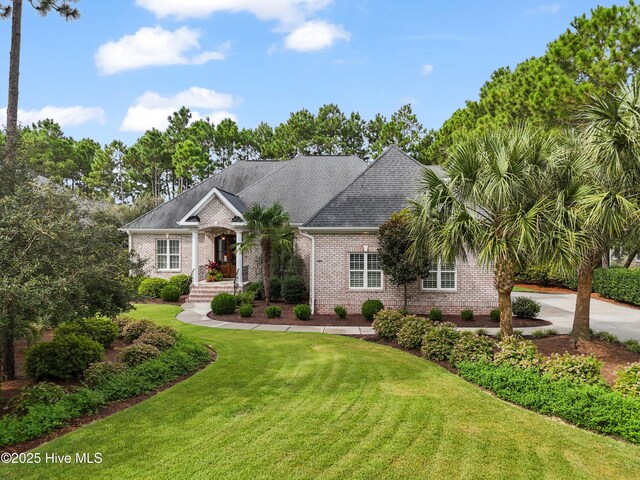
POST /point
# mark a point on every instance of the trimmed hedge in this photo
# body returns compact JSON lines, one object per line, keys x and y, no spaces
{"x":65,"y":357}
{"x":387,"y":323}
{"x":594,"y":407}
{"x":100,"y":329}
{"x":151,"y":287}
{"x":622,"y":284}
{"x":182,"y":281}
{"x":370,"y":307}
{"x":302,"y":311}
{"x":224,"y":304}
{"x":294,"y":289}
{"x":186,"y":356}
{"x":170,"y":293}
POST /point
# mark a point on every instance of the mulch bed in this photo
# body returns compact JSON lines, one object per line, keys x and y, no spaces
{"x":613,"y":356}
{"x":181,"y":300}
{"x":357,"y":320}
{"x":109,"y":409}
{"x":289,"y":318}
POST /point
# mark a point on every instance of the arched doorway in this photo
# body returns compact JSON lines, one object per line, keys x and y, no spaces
{"x":224,"y":248}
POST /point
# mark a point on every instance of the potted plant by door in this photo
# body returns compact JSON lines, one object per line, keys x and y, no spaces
{"x":213,"y":271}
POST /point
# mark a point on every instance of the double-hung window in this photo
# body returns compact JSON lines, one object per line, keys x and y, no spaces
{"x":167,"y":254}
{"x":365,"y":270}
{"x":442,"y":276}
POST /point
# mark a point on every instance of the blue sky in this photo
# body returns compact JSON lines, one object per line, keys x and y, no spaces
{"x":118,"y":70}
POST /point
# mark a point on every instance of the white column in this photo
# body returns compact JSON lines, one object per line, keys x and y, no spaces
{"x":195,"y":257}
{"x":239,"y":258}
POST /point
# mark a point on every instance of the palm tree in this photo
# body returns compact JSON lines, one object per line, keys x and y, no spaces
{"x":266,"y":227}
{"x":492,"y":205}
{"x":610,"y":210}
{"x":14,"y":10}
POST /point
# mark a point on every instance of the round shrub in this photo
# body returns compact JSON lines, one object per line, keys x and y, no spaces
{"x":412,"y":331}
{"x":172,"y":332}
{"x":438,"y":342}
{"x":275,"y":289}
{"x":170,"y":293}
{"x":160,"y":340}
{"x":340,"y":311}
{"x":43,"y":393}
{"x":525,"y":307}
{"x":245,"y":297}
{"x":387,"y":323}
{"x":258,"y":288}
{"x":223,"y":304}
{"x":435,"y":315}
{"x":182,"y":281}
{"x":628,"y":380}
{"x":302,"y":311}
{"x":517,"y":352}
{"x":134,"y":329}
{"x":100,"y":329}
{"x":370,"y":308}
{"x":122,"y":322}
{"x":137,"y":353}
{"x":63,"y":358}
{"x":574,"y":368}
{"x":151,"y":287}
{"x":472,"y":348}
{"x":101,"y":372}
{"x":466,"y":315}
{"x":273,"y":311}
{"x":246,"y":310}
{"x":495,"y":314}
{"x":294,"y":289}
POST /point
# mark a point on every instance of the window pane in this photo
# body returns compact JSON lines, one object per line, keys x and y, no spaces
{"x":433,"y":266}
{"x":431,"y":281}
{"x":161,"y":247}
{"x":174,"y":262}
{"x":356,"y":261}
{"x":374,"y":279}
{"x":174,"y":247}
{"x":373,"y":261}
{"x":356,"y":279}
{"x":448,"y":280}
{"x":161,"y":261}
{"x":448,"y":267}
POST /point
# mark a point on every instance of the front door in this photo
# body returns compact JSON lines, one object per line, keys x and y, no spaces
{"x":225,"y":255}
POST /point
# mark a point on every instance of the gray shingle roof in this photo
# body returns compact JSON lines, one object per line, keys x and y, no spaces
{"x":305,"y":184}
{"x":233,"y":200}
{"x":231,"y":180}
{"x":385,"y":187}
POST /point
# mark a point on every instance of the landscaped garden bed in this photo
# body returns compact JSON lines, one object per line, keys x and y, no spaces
{"x":88,"y":369}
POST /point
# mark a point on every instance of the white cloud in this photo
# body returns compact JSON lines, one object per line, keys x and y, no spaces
{"x":287,"y":12}
{"x":427,"y":69}
{"x":315,"y":35}
{"x":152,"y":109}
{"x":155,"y":47}
{"x":544,"y":9}
{"x":64,"y":116}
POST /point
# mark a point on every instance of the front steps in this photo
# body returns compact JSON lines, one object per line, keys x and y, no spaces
{"x":205,"y":291}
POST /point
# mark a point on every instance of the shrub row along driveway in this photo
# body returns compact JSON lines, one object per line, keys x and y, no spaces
{"x":294,"y":405}
{"x":615,"y":318}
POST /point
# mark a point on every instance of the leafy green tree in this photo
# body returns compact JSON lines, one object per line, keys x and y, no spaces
{"x":83,"y":154}
{"x":43,"y":7}
{"x":403,"y":130}
{"x":328,"y":130}
{"x":493,"y":206}
{"x":226,"y":141}
{"x":394,"y":241}
{"x":58,"y":264}
{"x":266,"y":227}
{"x":148,"y":166}
{"x":48,"y":150}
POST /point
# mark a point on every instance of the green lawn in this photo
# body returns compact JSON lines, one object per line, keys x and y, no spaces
{"x":523,"y":289}
{"x":286,"y":405}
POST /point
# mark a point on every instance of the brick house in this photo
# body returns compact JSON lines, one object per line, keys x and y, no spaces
{"x":335,"y":203}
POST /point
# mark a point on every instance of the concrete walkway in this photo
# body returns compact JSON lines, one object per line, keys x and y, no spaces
{"x":556,"y":308}
{"x":196,"y":314}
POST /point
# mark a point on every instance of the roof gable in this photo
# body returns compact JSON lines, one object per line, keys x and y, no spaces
{"x":385,"y":187}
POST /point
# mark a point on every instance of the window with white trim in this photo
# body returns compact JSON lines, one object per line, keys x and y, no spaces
{"x":167,"y":254}
{"x":442,"y":276}
{"x":365,"y":270}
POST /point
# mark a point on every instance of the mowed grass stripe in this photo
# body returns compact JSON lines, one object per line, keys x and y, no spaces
{"x":285,"y":405}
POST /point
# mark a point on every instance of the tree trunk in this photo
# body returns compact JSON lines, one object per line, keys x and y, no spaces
{"x":266,"y":259}
{"x":630,"y":258}
{"x":504,"y":280}
{"x":8,"y":358}
{"x":11,"y":147}
{"x":581,"y":317}
{"x":606,"y":258}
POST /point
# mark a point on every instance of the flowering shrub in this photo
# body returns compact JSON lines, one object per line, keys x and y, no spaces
{"x":101,"y":372}
{"x":387,"y":323}
{"x":412,"y":331}
{"x":134,"y":329}
{"x":160,"y":340}
{"x":517,"y":352}
{"x":137,"y":353}
{"x":574,"y":368}
{"x":439,"y":341}
{"x":628,"y":380}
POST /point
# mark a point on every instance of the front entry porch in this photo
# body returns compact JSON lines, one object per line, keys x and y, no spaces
{"x":219,"y":245}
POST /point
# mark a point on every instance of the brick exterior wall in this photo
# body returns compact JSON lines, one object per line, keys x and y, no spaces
{"x":215,"y":211}
{"x":474,"y":284}
{"x":145,"y":246}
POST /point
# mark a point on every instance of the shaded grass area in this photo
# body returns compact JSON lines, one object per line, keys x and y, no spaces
{"x":287,"y":405}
